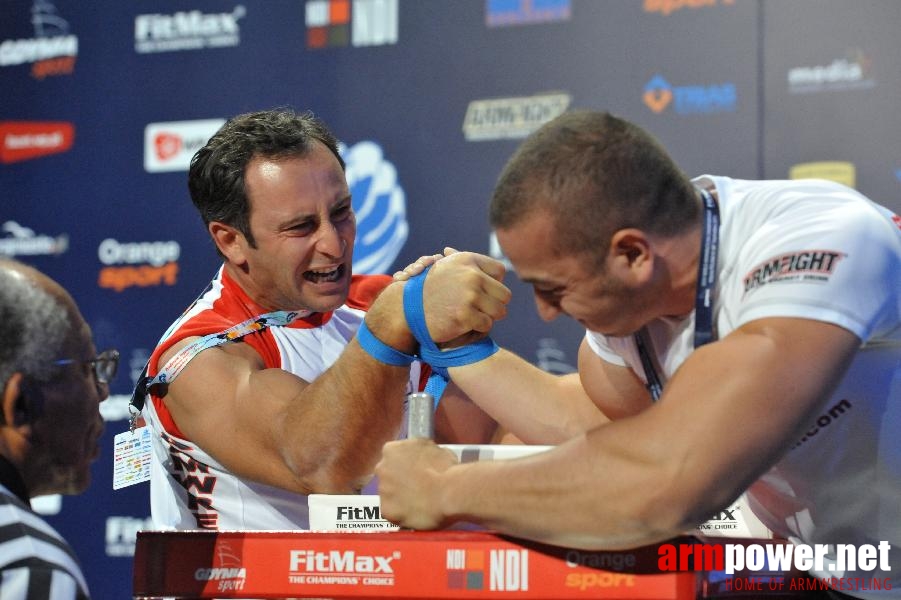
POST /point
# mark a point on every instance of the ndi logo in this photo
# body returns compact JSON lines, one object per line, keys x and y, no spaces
{"x":507,"y":570}
{"x":380,"y":206}
{"x":690,"y":99}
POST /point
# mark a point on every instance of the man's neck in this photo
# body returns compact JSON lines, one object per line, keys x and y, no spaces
{"x":12,"y":480}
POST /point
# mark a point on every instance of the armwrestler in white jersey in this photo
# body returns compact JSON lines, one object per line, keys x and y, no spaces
{"x":792,"y":288}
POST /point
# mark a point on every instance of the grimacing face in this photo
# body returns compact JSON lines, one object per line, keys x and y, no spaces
{"x":302,"y":219}
{"x":568,"y":285}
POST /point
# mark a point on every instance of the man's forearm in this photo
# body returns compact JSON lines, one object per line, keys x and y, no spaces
{"x":536,"y":406}
{"x":338,"y":424}
{"x":568,"y":496}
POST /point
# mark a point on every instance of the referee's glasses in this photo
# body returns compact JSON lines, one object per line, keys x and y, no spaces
{"x":104,"y":365}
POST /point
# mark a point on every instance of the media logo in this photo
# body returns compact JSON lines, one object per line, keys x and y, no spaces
{"x":510,"y":118}
{"x":24,"y":140}
{"x":137,"y":264}
{"x":851,"y":72}
{"x":335,"y":23}
{"x":380,"y":205}
{"x":52,"y":50}
{"x":502,"y":13}
{"x":170,"y":146}
{"x":690,"y":99}
{"x":667,"y":7}
{"x":23,"y":241}
{"x":834,"y":170}
{"x":502,"y":571}
{"x":192,"y":30}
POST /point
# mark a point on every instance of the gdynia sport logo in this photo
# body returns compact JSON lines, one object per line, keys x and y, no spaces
{"x":380,"y":206}
{"x":837,"y":566}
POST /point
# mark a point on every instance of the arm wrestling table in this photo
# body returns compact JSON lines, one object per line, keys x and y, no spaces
{"x":403,"y":564}
{"x":420,"y":565}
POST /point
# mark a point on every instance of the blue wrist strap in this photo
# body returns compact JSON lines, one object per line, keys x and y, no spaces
{"x":439,"y":360}
{"x":381,"y":351}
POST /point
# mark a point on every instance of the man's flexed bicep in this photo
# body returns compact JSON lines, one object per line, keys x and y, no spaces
{"x":273,"y":427}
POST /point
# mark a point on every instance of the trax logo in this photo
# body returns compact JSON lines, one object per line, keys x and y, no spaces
{"x":23,"y":140}
{"x":690,"y":99}
{"x":806,"y":265}
{"x":336,"y":561}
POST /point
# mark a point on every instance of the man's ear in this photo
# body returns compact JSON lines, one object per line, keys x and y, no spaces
{"x":16,"y":406}
{"x":230,"y":242}
{"x":631,"y":254}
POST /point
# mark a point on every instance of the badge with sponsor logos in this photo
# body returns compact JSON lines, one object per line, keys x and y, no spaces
{"x":131,"y":457}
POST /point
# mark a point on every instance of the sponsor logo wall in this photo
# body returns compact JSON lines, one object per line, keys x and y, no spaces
{"x":104,"y":106}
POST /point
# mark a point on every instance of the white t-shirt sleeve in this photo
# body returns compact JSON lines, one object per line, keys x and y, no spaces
{"x":601,"y":346}
{"x":806,"y":267}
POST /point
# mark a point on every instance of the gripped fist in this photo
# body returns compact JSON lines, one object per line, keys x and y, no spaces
{"x":409,"y":475}
{"x":463,"y":293}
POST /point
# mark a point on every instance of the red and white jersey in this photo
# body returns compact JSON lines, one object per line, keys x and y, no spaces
{"x":815,"y":250}
{"x":189,"y":489}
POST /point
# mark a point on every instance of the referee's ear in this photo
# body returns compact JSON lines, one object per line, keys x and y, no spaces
{"x":15,"y":407}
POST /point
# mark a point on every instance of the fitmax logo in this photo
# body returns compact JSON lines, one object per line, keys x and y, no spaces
{"x":689,"y":99}
{"x":336,"y":561}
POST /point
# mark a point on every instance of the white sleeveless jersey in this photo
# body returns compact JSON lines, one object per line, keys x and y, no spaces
{"x":189,"y":489}
{"x":817,"y":250}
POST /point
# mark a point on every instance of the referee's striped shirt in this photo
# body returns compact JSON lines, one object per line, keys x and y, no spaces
{"x":36,"y":563}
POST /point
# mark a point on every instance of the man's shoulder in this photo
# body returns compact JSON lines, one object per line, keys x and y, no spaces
{"x":364,"y":289}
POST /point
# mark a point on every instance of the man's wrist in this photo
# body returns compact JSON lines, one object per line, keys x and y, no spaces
{"x":387,"y":322}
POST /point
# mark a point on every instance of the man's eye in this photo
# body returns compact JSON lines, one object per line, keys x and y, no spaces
{"x":302,"y":228}
{"x":549,"y":291}
{"x":342,"y":213}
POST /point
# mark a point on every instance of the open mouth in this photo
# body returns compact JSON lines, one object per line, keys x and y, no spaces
{"x":324,"y":275}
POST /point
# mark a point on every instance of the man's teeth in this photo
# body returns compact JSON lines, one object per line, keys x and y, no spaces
{"x":320,"y":276}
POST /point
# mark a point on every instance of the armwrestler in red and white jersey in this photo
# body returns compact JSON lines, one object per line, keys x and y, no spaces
{"x":248,"y":429}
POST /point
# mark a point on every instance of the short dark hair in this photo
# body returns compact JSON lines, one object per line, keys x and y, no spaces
{"x":594,"y":174}
{"x":216,"y":175}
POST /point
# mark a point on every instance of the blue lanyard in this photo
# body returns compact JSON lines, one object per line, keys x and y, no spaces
{"x":705,"y":330}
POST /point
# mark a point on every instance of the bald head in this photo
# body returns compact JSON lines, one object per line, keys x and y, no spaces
{"x":37,"y":316}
